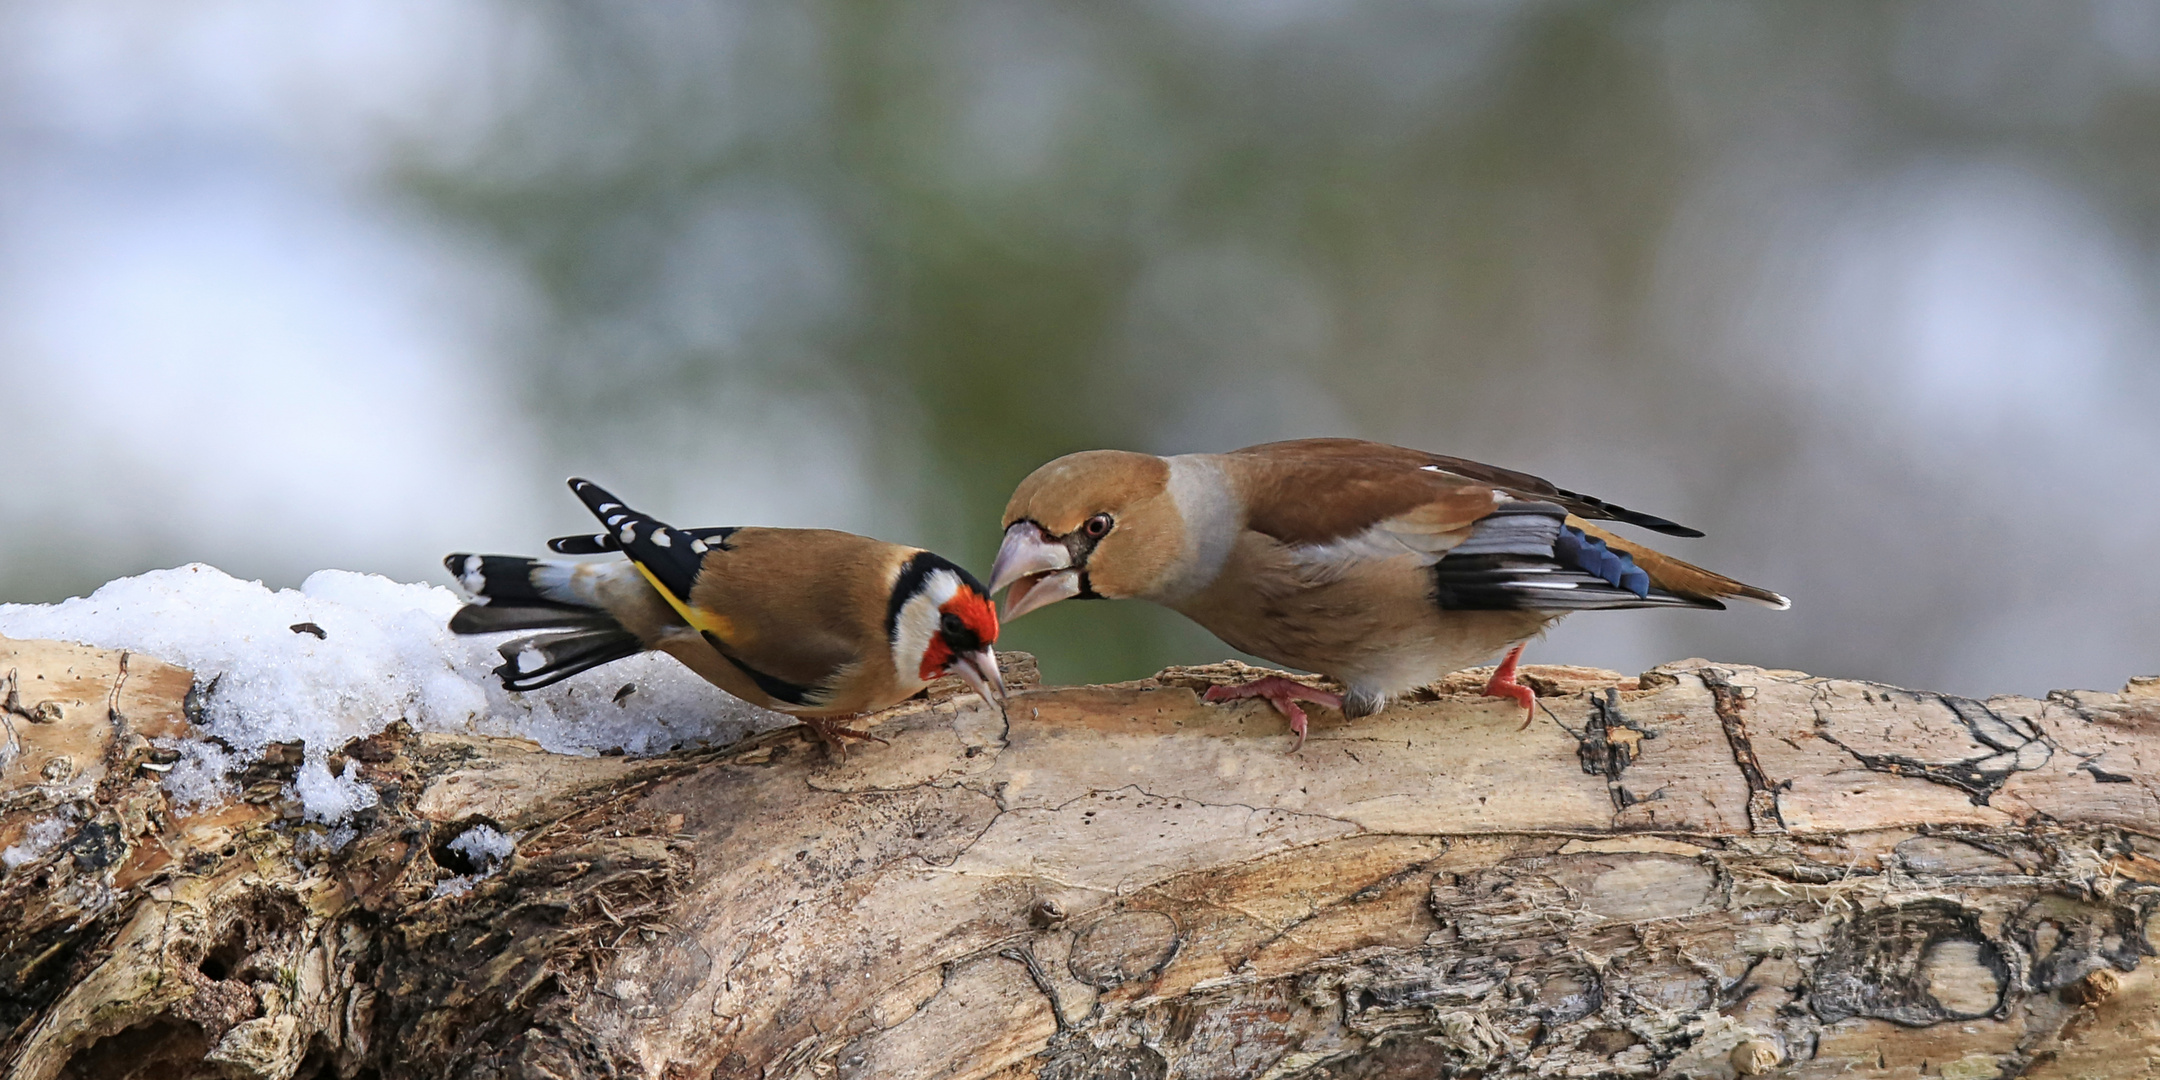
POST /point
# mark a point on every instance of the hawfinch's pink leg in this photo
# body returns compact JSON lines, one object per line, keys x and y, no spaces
{"x":1282,"y":693}
{"x":1503,"y":684}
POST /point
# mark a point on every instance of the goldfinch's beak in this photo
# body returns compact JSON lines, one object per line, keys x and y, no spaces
{"x":979,"y":670}
{"x":1039,"y":570}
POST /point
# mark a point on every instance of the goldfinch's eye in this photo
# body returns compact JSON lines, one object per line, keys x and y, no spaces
{"x":1097,"y":526}
{"x":952,"y":624}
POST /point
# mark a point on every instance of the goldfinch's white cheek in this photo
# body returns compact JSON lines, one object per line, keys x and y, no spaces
{"x":918,"y":625}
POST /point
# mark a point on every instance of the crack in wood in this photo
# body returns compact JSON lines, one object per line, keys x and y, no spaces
{"x":1609,"y":743}
{"x":1730,"y":702}
{"x":2102,"y":776}
{"x":1978,"y":777}
{"x":1041,"y":979}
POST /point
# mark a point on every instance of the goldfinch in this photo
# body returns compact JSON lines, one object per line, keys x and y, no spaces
{"x":1380,"y":567}
{"x":818,"y":624}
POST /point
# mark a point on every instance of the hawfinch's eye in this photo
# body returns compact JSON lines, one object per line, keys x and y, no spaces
{"x":951,"y":624}
{"x":1097,"y":526}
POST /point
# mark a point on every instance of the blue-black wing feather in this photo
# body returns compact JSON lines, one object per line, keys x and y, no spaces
{"x":1526,"y":556}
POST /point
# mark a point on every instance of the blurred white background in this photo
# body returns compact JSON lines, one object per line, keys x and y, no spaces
{"x":1866,"y":291}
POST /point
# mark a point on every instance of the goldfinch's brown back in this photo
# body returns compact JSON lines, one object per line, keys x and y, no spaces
{"x":806,"y":606}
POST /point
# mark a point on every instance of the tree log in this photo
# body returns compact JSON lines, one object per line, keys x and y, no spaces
{"x":1710,"y":871}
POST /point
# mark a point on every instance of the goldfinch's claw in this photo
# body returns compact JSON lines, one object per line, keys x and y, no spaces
{"x":835,"y":736}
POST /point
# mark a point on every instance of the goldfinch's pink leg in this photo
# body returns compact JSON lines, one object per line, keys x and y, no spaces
{"x":1282,"y":693}
{"x":1503,"y":684}
{"x":834,"y":736}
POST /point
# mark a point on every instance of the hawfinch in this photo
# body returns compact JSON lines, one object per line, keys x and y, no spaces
{"x":818,"y":624}
{"x":1379,"y":567}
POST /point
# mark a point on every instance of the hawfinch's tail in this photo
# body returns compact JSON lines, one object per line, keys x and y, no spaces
{"x":1684,"y":578}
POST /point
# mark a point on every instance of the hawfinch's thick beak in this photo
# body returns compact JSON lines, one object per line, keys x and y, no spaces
{"x":979,"y":670}
{"x":1039,"y":569}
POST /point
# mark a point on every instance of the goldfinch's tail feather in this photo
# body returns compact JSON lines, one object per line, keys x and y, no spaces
{"x":514,"y":580}
{"x":545,"y":659}
{"x":511,"y":592}
{"x":497,"y":618}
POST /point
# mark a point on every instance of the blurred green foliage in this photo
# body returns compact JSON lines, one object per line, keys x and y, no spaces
{"x":1440,"y":224}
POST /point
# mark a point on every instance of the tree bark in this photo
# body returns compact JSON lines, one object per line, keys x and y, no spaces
{"x":1712,"y":871}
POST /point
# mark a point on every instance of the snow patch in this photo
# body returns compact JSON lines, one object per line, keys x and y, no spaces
{"x":331,"y":797}
{"x":310,"y":842}
{"x":486,"y":848}
{"x":452,"y":886}
{"x":385,"y":654}
{"x":42,"y":836}
{"x":202,"y":776}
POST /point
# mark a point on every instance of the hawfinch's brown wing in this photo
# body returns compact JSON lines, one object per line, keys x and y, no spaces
{"x":1497,"y":538}
{"x":1317,"y":490}
{"x":1314,"y":492}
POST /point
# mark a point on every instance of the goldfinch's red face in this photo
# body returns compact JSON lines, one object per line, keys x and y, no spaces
{"x":967,"y":623}
{"x":942,"y":622}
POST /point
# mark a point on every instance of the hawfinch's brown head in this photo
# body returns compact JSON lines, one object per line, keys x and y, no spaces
{"x":1097,"y":524}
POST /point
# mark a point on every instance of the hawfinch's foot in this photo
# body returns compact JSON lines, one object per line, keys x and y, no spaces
{"x":1503,"y":684}
{"x":835,"y":737}
{"x":1282,"y":693}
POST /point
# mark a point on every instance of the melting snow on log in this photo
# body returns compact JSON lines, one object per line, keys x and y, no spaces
{"x":346,"y":655}
{"x":483,"y":847}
